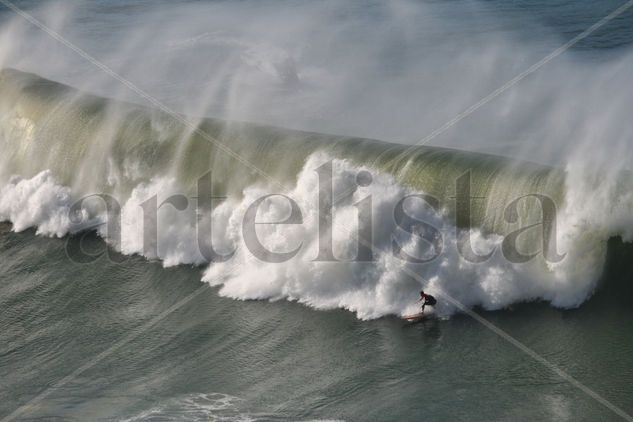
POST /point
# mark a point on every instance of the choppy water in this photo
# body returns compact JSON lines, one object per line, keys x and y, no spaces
{"x":124,"y":338}
{"x":219,"y":359}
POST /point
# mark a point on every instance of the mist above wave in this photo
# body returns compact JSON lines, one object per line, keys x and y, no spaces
{"x":387,"y":70}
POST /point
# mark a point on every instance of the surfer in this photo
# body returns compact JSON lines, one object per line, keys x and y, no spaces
{"x":426,"y":300}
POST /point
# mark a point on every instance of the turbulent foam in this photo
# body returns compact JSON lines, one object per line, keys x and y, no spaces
{"x":63,"y":144}
{"x":36,"y":202}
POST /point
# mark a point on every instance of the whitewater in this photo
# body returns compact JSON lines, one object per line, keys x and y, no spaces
{"x":62,"y":145}
{"x":221,"y":209}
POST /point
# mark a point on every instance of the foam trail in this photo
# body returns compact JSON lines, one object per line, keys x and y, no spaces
{"x":197,"y":407}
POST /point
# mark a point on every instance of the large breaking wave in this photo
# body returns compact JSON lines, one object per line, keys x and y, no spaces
{"x":60,"y":144}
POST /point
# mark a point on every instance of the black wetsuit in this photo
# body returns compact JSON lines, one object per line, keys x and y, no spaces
{"x":428,"y":300}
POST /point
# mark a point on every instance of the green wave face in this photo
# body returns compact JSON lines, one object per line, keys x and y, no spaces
{"x":94,"y":144}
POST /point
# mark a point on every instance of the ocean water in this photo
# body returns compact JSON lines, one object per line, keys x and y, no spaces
{"x":102,"y":322}
{"x":220,"y":359}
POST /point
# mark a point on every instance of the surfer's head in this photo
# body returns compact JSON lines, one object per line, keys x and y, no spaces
{"x":421,"y":292}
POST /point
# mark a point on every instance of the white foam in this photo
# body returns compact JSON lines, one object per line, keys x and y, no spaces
{"x":36,"y":202}
{"x":370,"y":289}
{"x":176,"y":234}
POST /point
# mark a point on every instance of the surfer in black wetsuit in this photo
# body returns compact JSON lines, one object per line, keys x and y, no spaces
{"x":426,"y":300}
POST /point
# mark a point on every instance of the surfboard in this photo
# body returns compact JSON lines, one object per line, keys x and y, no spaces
{"x":414,"y":317}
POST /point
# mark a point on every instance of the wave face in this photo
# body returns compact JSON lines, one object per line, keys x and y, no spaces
{"x":60,"y":144}
{"x":115,"y":146}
